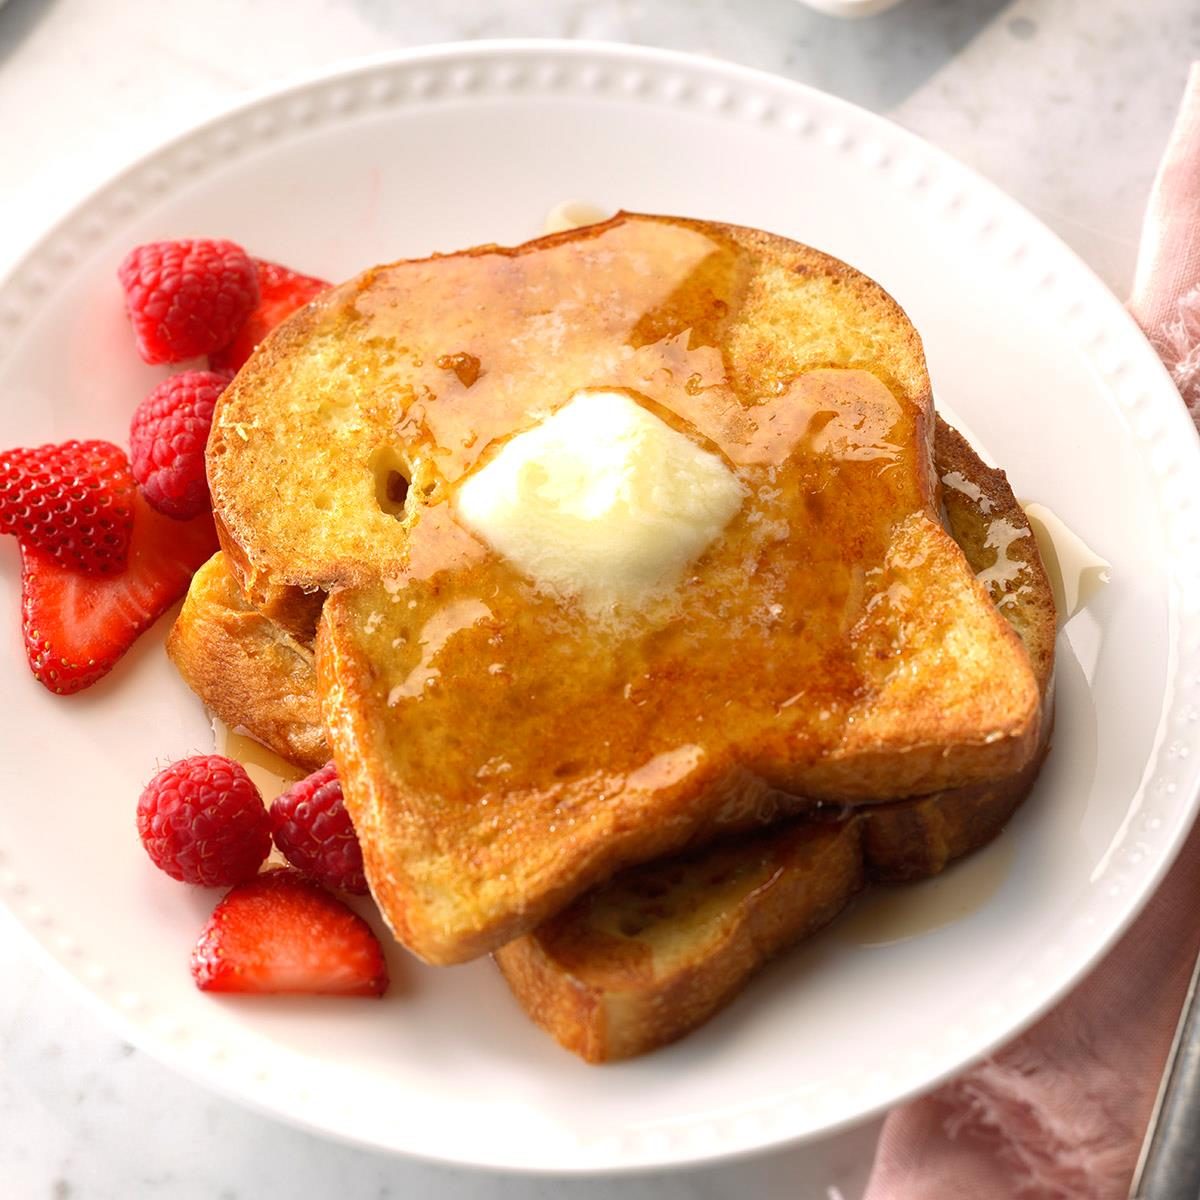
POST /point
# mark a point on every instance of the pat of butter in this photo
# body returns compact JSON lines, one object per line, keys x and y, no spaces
{"x":1076,"y":571}
{"x":572,"y":214}
{"x":603,"y":501}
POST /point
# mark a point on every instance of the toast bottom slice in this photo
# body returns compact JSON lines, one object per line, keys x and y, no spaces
{"x":639,"y":962}
{"x":646,"y":958}
{"x":642,"y":960}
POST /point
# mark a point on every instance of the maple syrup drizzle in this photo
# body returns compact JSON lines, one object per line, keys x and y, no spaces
{"x":268,"y":772}
{"x":833,"y":458}
{"x":884,"y":915}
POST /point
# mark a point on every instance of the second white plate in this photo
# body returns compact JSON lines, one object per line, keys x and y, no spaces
{"x":851,"y":8}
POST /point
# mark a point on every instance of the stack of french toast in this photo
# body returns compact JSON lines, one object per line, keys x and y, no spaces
{"x":636,"y":711}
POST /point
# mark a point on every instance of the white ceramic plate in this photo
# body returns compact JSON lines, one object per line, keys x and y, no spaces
{"x":453,"y":146}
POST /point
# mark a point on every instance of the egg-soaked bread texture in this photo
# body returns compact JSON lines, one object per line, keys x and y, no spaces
{"x":502,"y":750}
{"x":643,"y":959}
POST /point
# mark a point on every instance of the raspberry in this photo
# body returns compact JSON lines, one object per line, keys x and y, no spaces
{"x":312,"y":829}
{"x":187,"y":298}
{"x":202,"y":821}
{"x":73,"y":501}
{"x":167,"y":437}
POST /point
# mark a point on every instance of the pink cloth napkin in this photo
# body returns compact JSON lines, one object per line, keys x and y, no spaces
{"x":1060,"y":1113}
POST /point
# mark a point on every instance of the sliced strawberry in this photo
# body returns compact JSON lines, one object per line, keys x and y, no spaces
{"x":73,"y":500}
{"x":282,"y":933}
{"x":77,"y":626}
{"x":280,"y":292}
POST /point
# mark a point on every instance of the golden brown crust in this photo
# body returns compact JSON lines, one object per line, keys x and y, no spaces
{"x":606,"y":995}
{"x":247,"y":669}
{"x":915,"y":839}
{"x":879,"y":665}
{"x":985,"y":519}
{"x":293,"y":609}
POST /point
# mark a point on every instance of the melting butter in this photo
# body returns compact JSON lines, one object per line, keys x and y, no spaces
{"x":602,"y":500}
{"x":572,"y":214}
{"x":1076,"y":571}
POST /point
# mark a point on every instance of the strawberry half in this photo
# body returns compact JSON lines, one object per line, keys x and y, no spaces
{"x":280,"y":292}
{"x":73,"y":500}
{"x":282,"y":933}
{"x":77,"y":626}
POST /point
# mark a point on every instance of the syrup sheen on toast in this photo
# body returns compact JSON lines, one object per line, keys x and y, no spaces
{"x":501,"y":749}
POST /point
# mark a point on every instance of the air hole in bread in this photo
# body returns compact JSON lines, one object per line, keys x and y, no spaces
{"x":396,"y":488}
{"x":391,"y":480}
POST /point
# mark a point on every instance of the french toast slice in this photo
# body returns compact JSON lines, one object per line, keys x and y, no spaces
{"x":247,"y":668}
{"x":643,"y":959}
{"x":878,"y":666}
{"x":638,"y":962}
{"x":502,"y":748}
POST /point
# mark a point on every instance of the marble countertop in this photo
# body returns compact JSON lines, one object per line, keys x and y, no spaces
{"x":1065,"y":104}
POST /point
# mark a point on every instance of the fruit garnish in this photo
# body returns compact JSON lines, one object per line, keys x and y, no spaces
{"x":188,"y":297}
{"x":72,"y":501}
{"x":283,"y":933}
{"x":77,"y":626}
{"x":202,"y":821}
{"x":167,"y":437}
{"x":281,"y":292}
{"x":312,"y":829}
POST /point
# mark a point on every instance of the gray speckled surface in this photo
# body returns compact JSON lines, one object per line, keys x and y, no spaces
{"x":1064,"y":103}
